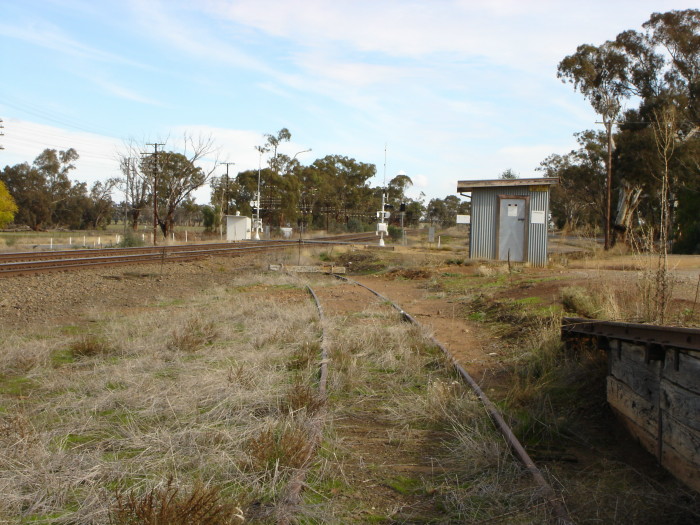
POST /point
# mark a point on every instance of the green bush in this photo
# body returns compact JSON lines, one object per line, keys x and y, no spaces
{"x":395,"y":233}
{"x":131,"y":240}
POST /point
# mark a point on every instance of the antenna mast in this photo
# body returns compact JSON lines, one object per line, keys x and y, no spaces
{"x":381,"y":215}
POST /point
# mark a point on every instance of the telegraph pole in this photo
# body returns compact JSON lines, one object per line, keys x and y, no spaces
{"x":227,"y":198}
{"x":155,"y":192}
{"x":1,"y":133}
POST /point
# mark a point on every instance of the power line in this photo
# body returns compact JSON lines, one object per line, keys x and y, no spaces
{"x":227,"y":196}
{"x":155,"y":192}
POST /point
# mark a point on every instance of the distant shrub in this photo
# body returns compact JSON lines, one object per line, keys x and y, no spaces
{"x":131,"y":240}
{"x":355,"y":225}
{"x":395,"y":233}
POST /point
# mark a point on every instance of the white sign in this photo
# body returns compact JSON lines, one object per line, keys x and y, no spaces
{"x":537,"y":216}
{"x":381,"y":227}
{"x":512,"y":210}
{"x":464,"y":219}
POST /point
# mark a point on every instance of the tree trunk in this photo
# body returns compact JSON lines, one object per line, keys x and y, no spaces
{"x":627,"y":203}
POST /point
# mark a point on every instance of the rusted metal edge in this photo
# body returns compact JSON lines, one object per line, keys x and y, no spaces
{"x":292,"y":497}
{"x":546,"y":490}
{"x":672,"y":336}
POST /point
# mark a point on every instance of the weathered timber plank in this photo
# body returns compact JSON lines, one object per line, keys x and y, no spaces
{"x":640,"y":377}
{"x":638,"y":433}
{"x":680,"y":403}
{"x":681,"y":451}
{"x":683,"y":439}
{"x":307,"y":269}
{"x":681,"y":468}
{"x":688,"y":373}
{"x":633,"y":407}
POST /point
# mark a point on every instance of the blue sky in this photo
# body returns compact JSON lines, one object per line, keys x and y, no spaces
{"x":455,"y":89}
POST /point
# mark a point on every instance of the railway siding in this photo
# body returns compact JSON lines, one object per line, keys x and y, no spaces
{"x":653,"y":386}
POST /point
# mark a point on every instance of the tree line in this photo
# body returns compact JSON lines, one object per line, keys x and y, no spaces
{"x":332,"y":192}
{"x":639,"y":173}
{"x":41,"y":195}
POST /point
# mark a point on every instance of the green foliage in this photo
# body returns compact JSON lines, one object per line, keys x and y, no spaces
{"x":657,"y":66}
{"x":444,"y":211}
{"x":211,"y":218}
{"x":8,"y":207}
{"x":508,"y":174}
{"x":395,"y":233}
{"x":131,"y":240}
{"x":45,"y":196}
{"x":355,"y":225}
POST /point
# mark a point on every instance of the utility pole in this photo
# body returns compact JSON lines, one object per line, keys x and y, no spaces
{"x":1,"y":133}
{"x":227,"y":197}
{"x":155,"y":191}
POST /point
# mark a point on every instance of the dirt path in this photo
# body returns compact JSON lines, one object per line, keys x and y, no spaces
{"x":468,"y":341}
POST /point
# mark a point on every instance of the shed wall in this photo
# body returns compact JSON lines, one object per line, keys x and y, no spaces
{"x":482,"y":242}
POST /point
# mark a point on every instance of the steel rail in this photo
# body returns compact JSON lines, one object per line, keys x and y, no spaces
{"x":292,"y":498}
{"x":37,"y":263}
{"x":546,"y":490}
{"x":101,"y":252}
{"x":31,"y":267}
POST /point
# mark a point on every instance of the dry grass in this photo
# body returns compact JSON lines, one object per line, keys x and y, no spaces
{"x":152,"y":397}
{"x":388,"y":372}
{"x":168,"y":505}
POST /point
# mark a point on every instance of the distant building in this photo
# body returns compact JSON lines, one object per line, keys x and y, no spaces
{"x":238,"y":227}
{"x":509,"y":219}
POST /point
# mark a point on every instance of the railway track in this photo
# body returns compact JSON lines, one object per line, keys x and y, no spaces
{"x":24,"y":263}
{"x":295,"y":486}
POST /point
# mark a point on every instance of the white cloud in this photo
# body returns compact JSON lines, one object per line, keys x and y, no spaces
{"x":49,"y":36}
{"x":24,"y":141}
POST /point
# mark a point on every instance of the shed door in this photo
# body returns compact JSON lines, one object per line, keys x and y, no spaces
{"x":512,"y":232}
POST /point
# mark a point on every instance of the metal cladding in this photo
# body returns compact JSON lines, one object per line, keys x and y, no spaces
{"x":484,"y":236}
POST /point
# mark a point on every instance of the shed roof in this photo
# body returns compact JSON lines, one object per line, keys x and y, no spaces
{"x":464,"y":186}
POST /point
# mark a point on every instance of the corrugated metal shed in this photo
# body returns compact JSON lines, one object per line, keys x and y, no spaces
{"x":509,"y":219}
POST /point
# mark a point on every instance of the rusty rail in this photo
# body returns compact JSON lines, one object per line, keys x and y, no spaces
{"x":292,"y":496}
{"x":31,"y":263}
{"x":546,"y":490}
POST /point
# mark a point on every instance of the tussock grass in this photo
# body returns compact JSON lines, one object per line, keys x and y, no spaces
{"x":177,"y":394}
{"x":169,"y":505}
{"x":193,"y":336}
{"x":89,"y":346}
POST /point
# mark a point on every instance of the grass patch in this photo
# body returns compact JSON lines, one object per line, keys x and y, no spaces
{"x":173,"y":505}
{"x":89,"y":346}
{"x":16,"y":386}
{"x":193,"y":336}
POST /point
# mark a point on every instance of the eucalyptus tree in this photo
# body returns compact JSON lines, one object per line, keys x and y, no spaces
{"x":600,"y":73}
{"x":174,"y":176}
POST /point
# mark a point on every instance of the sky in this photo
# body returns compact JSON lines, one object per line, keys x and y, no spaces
{"x":441,"y":90}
